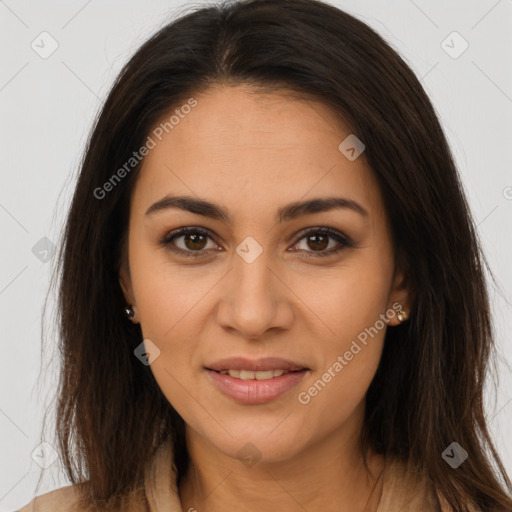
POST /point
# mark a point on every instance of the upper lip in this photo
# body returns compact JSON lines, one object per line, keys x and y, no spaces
{"x":266,"y":363}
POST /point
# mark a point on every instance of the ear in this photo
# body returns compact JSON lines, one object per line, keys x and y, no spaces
{"x":401,"y":298}
{"x":126,"y":285}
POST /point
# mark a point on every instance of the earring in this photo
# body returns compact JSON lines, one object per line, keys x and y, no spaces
{"x":402,"y":316}
{"x":128,"y":311}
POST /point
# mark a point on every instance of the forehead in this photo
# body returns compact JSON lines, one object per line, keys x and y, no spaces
{"x":250,"y":151}
{"x":245,"y":119}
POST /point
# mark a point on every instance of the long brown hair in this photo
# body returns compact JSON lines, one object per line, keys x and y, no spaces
{"x":428,"y":390}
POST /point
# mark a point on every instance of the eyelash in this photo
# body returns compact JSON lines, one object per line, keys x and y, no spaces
{"x":167,"y":241}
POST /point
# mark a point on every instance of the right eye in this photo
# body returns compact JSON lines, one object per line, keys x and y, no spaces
{"x":193,"y":241}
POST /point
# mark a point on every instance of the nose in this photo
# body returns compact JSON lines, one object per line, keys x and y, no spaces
{"x":255,"y":299}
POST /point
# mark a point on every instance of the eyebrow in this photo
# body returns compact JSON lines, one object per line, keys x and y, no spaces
{"x":286,"y":213}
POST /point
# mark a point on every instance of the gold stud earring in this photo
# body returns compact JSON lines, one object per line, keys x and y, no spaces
{"x":402,"y":316}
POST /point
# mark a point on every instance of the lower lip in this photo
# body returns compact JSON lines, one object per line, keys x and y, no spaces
{"x":254,"y":392}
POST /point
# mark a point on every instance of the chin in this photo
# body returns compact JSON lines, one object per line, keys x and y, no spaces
{"x":261,"y":444}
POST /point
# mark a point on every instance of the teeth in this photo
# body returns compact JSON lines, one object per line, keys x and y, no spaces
{"x":246,"y":374}
{"x":250,"y":375}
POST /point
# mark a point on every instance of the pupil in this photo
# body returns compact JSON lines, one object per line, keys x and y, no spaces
{"x":316,"y":237}
{"x":193,"y":239}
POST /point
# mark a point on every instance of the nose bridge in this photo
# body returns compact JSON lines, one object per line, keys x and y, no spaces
{"x":252,"y":271}
{"x":253,"y":276}
{"x":254,"y":302}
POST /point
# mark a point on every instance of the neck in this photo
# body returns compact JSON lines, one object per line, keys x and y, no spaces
{"x":319,"y":478}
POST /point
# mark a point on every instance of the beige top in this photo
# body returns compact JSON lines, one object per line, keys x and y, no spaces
{"x":401,"y":491}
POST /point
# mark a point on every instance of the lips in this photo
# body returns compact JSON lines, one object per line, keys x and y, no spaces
{"x":256,"y":382}
{"x":255,"y":392}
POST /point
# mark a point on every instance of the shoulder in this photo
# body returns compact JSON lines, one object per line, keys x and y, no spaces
{"x":71,"y":499}
{"x":65,"y":499}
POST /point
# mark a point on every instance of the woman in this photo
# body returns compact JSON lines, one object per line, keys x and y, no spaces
{"x":272,"y":293}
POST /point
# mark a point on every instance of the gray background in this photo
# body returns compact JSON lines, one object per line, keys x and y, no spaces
{"x":46,"y":110}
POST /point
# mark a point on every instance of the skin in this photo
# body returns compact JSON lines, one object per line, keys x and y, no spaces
{"x":252,"y":154}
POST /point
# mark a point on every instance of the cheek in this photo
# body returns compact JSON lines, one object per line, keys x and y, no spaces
{"x":339,"y":406}
{"x":353,"y":301}
{"x":355,"y":365}
{"x":353,"y":307}
{"x":167,"y":296}
{"x":169,"y":303}
{"x":180,"y":390}
{"x":336,"y":392}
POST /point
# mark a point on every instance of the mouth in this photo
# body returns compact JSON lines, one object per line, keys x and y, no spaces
{"x":255,"y":382}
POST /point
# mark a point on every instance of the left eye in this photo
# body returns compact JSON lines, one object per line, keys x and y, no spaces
{"x":195,"y":240}
{"x":318,"y":240}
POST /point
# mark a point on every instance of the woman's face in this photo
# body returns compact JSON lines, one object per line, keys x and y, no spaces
{"x":263,"y":282}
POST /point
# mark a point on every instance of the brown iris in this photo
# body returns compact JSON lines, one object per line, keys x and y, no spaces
{"x":195,"y":238}
{"x":323,"y":243}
